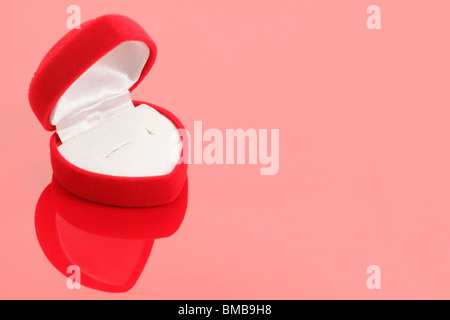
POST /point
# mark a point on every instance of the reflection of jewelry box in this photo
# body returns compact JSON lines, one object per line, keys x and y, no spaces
{"x":110,"y":245}
{"x":107,"y":148}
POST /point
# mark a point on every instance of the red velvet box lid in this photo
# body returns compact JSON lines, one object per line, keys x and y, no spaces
{"x":75,"y":53}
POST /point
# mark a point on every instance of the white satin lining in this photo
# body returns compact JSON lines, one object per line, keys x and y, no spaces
{"x":102,"y":92}
{"x":101,"y":130}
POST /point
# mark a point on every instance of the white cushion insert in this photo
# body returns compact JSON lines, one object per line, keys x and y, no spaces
{"x":138,"y":142}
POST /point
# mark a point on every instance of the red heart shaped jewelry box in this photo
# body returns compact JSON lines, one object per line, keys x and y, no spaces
{"x":107,"y":148}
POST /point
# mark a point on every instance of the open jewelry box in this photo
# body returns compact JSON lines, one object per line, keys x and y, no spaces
{"x":107,"y":148}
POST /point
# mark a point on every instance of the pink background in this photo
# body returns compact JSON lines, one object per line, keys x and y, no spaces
{"x":364,"y":152}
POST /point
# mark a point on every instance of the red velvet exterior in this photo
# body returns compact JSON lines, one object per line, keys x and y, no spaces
{"x":117,"y":222}
{"x":120,"y":191}
{"x":67,"y":60}
{"x":78,"y":50}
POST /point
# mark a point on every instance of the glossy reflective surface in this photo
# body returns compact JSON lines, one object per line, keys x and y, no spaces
{"x":110,"y":245}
